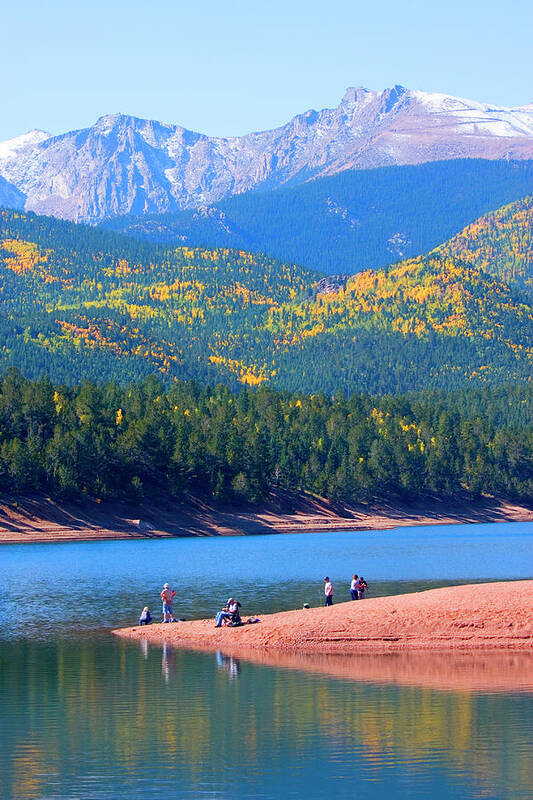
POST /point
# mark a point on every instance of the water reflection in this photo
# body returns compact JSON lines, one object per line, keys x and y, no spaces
{"x":167,"y":661}
{"x":229,"y":663}
{"x":111,"y":720}
{"x":143,"y":643}
{"x":475,"y":671}
{"x":83,"y":715}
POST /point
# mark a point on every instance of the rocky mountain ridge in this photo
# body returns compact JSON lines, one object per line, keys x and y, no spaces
{"x":126,"y":165}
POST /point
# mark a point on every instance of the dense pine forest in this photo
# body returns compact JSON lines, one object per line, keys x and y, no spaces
{"x":112,"y":442}
{"x":81,"y":303}
{"x":355,"y":220}
{"x":270,"y":376}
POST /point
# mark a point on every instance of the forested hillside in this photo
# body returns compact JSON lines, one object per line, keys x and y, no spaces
{"x":82,"y":303}
{"x":77,"y":302}
{"x":500,"y":243}
{"x":430,"y":321}
{"x":111,"y":442}
{"x":351,"y":221}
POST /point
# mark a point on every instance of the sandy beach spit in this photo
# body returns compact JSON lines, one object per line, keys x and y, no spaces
{"x":493,"y":616}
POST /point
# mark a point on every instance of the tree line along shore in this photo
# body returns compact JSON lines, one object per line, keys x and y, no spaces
{"x":112,"y":442}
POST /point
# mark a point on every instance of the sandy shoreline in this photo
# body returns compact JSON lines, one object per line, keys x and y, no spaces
{"x":39,"y":519}
{"x":494,"y":616}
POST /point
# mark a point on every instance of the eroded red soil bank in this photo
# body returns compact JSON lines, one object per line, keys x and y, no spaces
{"x":41,"y":519}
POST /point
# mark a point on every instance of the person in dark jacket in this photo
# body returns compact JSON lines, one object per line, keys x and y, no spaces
{"x":362,"y":586}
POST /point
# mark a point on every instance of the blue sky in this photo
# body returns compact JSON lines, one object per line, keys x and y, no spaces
{"x":226,"y":68}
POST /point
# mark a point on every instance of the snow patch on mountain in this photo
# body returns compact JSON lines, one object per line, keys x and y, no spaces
{"x":444,"y":103}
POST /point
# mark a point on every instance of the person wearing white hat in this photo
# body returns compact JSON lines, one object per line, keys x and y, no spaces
{"x":228,"y":614}
{"x":146,"y":617}
{"x":167,"y":596}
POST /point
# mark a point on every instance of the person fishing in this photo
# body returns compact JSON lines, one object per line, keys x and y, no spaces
{"x":167,"y":598}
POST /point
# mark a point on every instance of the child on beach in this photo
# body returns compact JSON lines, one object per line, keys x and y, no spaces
{"x":362,"y":586}
{"x":146,"y":617}
{"x":167,"y":597}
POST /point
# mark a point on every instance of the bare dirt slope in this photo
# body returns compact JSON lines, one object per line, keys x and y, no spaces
{"x":41,"y":519}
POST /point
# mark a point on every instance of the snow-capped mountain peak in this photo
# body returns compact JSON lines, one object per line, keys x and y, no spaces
{"x":123,"y":164}
{"x":11,"y":147}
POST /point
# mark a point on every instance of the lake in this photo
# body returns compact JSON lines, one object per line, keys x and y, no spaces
{"x":85,"y":715}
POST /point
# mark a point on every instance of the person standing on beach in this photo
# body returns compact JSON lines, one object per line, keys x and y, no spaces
{"x":167,"y":596}
{"x":328,"y":591}
{"x":354,"y":594}
{"x":362,"y":586}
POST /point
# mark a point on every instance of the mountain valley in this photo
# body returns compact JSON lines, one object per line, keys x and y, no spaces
{"x":348,"y":222}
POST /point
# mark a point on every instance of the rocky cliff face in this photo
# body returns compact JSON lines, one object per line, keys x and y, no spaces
{"x":127,"y":165}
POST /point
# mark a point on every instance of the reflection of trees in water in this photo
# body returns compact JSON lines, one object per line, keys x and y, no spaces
{"x":66,"y":704}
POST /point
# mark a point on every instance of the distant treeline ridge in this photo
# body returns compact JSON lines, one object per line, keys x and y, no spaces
{"x":114,"y":442}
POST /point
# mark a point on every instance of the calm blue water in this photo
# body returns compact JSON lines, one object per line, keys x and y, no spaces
{"x":84,"y":715}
